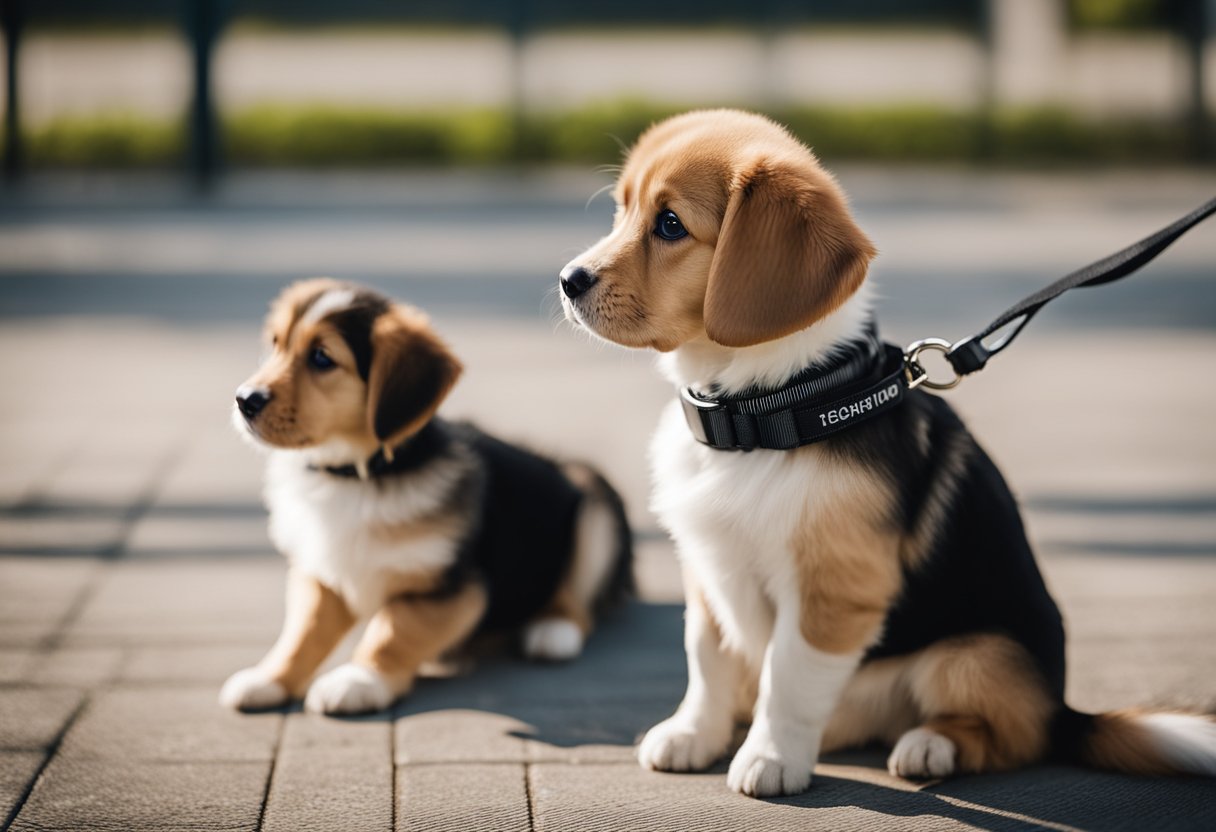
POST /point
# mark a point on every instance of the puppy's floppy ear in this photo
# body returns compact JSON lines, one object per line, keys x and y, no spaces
{"x":411,"y":373}
{"x":788,"y":254}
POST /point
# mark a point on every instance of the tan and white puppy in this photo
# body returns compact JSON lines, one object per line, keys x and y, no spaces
{"x":430,"y":530}
{"x":874,"y":586}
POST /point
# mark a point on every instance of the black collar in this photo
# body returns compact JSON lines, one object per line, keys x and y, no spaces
{"x":859,"y":382}
{"x":414,"y":453}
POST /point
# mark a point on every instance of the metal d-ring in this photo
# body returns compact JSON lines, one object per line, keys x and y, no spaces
{"x":918,"y":375}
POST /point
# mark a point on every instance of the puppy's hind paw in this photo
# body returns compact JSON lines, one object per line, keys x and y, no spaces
{"x":675,"y":745}
{"x":553,"y":640}
{"x":922,"y":753}
{"x":349,"y":689}
{"x":252,"y":690}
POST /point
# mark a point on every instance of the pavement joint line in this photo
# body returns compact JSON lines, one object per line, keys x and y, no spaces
{"x":988,"y":811}
{"x":528,"y":796}
{"x":146,"y":500}
{"x":274,"y":761}
{"x":54,"y":640}
{"x":392,"y":762}
{"x":51,"y":751}
{"x":505,"y":763}
{"x":35,"y":494}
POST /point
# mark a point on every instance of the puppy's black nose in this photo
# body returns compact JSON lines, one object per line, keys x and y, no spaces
{"x":251,"y":400}
{"x":577,"y":281}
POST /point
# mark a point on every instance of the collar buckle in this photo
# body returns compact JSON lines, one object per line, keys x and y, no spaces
{"x":715,"y":424}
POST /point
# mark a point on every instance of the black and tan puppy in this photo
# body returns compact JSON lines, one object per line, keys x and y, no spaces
{"x":877,"y":585}
{"x":435,"y":531}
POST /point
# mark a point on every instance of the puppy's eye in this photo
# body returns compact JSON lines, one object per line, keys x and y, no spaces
{"x":319,"y":359}
{"x":668,"y":226}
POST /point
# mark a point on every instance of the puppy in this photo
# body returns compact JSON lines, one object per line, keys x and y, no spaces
{"x":873,"y":586}
{"x":435,"y":531}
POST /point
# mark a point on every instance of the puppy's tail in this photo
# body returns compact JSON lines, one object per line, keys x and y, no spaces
{"x":605,"y":540}
{"x":1138,"y":742}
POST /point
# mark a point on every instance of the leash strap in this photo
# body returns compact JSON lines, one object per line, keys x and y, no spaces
{"x":971,"y":354}
{"x":876,"y":377}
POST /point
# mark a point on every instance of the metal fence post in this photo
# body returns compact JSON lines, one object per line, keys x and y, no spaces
{"x":1196,"y":20}
{"x":205,"y":18}
{"x":985,"y":122}
{"x":13,"y":18}
{"x":519,"y":25}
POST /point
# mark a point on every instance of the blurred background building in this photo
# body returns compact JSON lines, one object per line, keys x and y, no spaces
{"x":204,"y":83}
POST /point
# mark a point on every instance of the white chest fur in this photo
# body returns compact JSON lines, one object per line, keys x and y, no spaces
{"x":334,"y":528}
{"x":734,"y":516}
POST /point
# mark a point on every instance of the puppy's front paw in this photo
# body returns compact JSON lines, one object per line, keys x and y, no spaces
{"x":765,"y":772}
{"x":922,"y":753}
{"x":252,"y":690}
{"x":349,"y":689}
{"x":553,"y":640}
{"x":676,"y":744}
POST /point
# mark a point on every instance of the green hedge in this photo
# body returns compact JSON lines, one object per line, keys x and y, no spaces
{"x":336,"y":136}
{"x":111,"y":140}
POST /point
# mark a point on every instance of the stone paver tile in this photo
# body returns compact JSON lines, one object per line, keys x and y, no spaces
{"x":1082,"y":578}
{"x":219,"y":469}
{"x":118,"y":472}
{"x":28,"y":462}
{"x":460,"y":736}
{"x":1086,"y":799}
{"x":37,"y":593}
{"x":189,"y":663}
{"x":589,"y":681}
{"x":59,"y":535}
{"x":31,"y":718}
{"x":864,"y":765}
{"x":1160,"y":619}
{"x":177,"y":536}
{"x":601,"y":733}
{"x":445,"y":798}
{"x":170,"y":725}
{"x":847,"y":796}
{"x":636,"y":654}
{"x":15,"y":664}
{"x":1109,"y":673}
{"x":194,"y":601}
{"x":77,"y":667}
{"x":627,"y":798}
{"x":332,"y":774}
{"x":1126,"y":532}
{"x":17,"y":770}
{"x":134,"y":796}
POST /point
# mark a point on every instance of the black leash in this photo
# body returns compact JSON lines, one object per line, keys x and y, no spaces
{"x":971,"y":354}
{"x":869,"y":377}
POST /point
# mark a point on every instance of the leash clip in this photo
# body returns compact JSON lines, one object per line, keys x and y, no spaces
{"x":917,"y":375}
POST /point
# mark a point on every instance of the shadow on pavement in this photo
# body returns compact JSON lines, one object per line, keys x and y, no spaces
{"x":1042,"y":797}
{"x":633,"y":675}
{"x":630,"y":675}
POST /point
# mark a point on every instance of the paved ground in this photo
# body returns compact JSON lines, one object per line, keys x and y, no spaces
{"x":135,"y":573}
